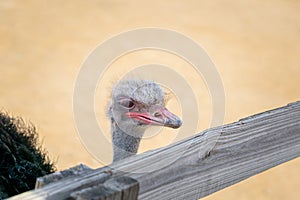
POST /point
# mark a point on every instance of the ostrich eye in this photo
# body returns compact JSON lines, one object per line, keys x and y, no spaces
{"x":127,"y":103}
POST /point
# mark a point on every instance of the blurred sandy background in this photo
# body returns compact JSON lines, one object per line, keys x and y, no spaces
{"x":254,"y":44}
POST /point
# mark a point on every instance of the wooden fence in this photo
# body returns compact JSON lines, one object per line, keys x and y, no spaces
{"x":189,"y":169}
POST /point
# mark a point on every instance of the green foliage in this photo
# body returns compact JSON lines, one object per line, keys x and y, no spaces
{"x":22,"y":160}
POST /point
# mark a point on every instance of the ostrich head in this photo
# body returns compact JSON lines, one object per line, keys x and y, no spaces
{"x":135,"y":105}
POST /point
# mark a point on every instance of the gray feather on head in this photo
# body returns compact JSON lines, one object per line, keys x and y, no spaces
{"x":144,"y":91}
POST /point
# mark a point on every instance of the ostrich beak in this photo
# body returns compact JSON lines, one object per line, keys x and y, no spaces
{"x":160,"y":117}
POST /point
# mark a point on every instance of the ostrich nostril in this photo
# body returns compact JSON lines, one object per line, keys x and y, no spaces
{"x":157,"y":114}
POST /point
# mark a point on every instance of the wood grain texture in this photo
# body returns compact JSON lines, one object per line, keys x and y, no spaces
{"x":200,"y":165}
{"x":117,"y":188}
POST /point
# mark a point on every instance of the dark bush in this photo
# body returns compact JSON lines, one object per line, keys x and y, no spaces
{"x":22,"y":158}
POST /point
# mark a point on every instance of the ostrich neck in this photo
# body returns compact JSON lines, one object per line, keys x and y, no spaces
{"x":124,"y":145}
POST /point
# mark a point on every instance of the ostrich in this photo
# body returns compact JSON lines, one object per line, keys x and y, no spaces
{"x":135,"y":105}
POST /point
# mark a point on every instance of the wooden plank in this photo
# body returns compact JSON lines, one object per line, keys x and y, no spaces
{"x":200,"y":165}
